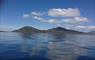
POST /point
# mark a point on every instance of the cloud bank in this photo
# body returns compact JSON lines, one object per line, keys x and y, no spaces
{"x":69,"y":12}
{"x":86,"y":27}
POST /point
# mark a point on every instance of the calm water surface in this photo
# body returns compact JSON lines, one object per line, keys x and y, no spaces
{"x":46,"y":46}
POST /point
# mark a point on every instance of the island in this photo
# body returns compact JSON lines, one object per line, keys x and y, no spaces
{"x":29,"y":29}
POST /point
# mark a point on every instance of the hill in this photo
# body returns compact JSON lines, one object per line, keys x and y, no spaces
{"x":63,"y":30}
{"x":91,"y":32}
{"x":27,"y":29}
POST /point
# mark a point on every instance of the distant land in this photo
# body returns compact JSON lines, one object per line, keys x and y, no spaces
{"x":63,"y":30}
{"x":91,"y":32}
{"x":29,"y":29}
{"x":2,"y":31}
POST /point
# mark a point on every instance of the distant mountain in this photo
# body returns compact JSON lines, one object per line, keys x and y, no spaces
{"x":62,"y":30}
{"x":2,"y":31}
{"x":27,"y":29}
{"x":92,"y":32}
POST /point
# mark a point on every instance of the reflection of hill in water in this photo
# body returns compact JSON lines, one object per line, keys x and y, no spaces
{"x":58,"y":46}
{"x":47,"y":45}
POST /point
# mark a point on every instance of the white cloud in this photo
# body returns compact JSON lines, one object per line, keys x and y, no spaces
{"x":36,"y":13}
{"x":26,"y":15}
{"x":86,"y":27}
{"x":81,"y":19}
{"x":52,"y":21}
{"x":75,"y":20}
{"x":38,"y":18}
{"x":69,"y":12}
{"x":72,"y":16}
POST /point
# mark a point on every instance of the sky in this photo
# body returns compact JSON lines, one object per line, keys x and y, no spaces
{"x":46,"y":14}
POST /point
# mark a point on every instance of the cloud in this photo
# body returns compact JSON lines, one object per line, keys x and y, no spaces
{"x":75,"y":20}
{"x":81,"y":19}
{"x":69,"y":12}
{"x":71,"y":20}
{"x":26,"y":15}
{"x":36,"y":13}
{"x":38,"y":16}
{"x":86,"y":27}
{"x":52,"y":21}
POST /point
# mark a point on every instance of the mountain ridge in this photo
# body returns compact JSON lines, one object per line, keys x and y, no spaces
{"x":30,"y":29}
{"x":27,"y":29}
{"x":91,"y":32}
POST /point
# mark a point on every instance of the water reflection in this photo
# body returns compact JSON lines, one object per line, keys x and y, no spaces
{"x":72,"y":47}
{"x":64,"y":51}
{"x":24,"y":45}
{"x":57,"y":46}
{"x":34,"y":44}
